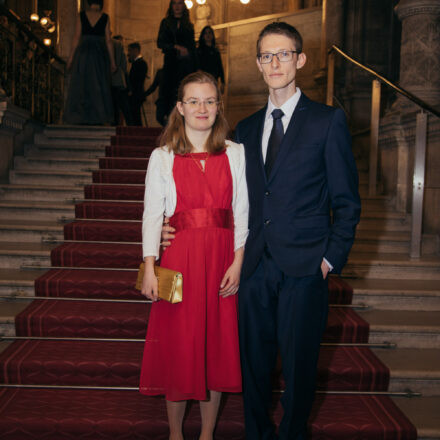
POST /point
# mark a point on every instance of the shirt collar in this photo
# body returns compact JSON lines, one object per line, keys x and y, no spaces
{"x":138,"y":57}
{"x":288,"y":107}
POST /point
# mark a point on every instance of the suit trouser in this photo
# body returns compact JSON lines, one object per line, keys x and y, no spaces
{"x":277,"y":311}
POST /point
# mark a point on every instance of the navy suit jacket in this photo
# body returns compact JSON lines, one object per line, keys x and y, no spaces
{"x":309,"y":206}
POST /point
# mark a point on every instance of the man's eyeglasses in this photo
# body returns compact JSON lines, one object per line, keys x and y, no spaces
{"x":195,"y":103}
{"x":283,"y":56}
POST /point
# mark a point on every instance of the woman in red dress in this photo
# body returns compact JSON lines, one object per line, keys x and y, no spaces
{"x":197,"y":179}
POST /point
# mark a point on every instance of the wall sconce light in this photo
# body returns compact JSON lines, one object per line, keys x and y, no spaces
{"x":34,"y":17}
{"x":189,"y":4}
{"x":245,"y":2}
{"x":44,"y":21}
{"x":201,"y":2}
{"x":47,"y":41}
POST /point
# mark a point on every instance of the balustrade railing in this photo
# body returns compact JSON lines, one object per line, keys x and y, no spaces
{"x":420,"y":141}
{"x":31,"y":74}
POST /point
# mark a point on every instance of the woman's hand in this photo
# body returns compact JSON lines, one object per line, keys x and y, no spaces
{"x":231,"y":279}
{"x":149,"y":282}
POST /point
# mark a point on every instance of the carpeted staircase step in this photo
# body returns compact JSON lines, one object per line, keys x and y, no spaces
{"x":97,"y":255}
{"x":128,"y":151}
{"x":77,"y":283}
{"x":109,"y":210}
{"x":114,"y":192}
{"x":117,"y":284}
{"x":103,"y":231}
{"x":123,"y":163}
{"x":119,"y":176}
{"x":138,"y":131}
{"x":124,"y":415}
{"x":35,"y":209}
{"x":134,"y":141}
{"x":129,"y":320}
{"x":89,"y":363}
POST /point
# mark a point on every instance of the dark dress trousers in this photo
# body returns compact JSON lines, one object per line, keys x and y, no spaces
{"x":136,"y":78}
{"x":307,"y":209}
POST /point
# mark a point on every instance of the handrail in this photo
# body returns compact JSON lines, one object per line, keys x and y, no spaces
{"x":398,"y":89}
{"x":12,"y":17}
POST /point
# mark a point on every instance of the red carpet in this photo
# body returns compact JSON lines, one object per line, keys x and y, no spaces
{"x":116,"y":195}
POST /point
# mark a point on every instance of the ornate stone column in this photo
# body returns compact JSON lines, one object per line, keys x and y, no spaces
{"x":420,"y":47}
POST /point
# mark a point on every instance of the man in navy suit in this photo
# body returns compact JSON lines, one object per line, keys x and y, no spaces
{"x":304,"y":208}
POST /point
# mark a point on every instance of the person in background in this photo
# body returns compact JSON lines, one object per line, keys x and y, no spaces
{"x":91,"y":64}
{"x":161,"y":110}
{"x":197,"y":178}
{"x":176,"y":39}
{"x":208,"y":56}
{"x":136,"y":77}
{"x":121,"y":102}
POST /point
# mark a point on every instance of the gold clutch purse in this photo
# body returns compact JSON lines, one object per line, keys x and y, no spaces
{"x":170,"y":283}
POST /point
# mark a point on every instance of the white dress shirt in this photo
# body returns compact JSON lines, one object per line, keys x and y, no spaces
{"x":288,"y":108}
{"x":161,"y":196}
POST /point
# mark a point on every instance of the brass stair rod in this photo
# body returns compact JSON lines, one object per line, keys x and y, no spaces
{"x":387,"y":345}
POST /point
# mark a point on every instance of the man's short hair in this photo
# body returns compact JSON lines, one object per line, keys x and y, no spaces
{"x":281,"y":28}
{"x":135,"y":46}
{"x":100,"y":3}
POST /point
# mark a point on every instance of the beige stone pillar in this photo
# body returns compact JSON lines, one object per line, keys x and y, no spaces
{"x":67,"y":13}
{"x":419,"y":53}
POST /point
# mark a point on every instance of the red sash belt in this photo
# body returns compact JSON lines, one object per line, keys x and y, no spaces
{"x":203,"y":218}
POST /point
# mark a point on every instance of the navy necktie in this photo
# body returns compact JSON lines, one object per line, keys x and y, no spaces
{"x":275,"y":138}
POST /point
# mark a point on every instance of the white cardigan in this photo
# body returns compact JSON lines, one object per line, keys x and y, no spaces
{"x":161,"y":198}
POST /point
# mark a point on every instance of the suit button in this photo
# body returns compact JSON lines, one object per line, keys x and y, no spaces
{"x":267,"y":193}
{"x":267,"y":222}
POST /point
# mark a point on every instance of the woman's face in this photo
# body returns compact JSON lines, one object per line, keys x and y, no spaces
{"x":199,"y":106}
{"x":208,"y":36}
{"x":178,"y":7}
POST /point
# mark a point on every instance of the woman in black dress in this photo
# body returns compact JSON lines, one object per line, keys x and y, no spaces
{"x":176,"y":39}
{"x":91,"y":62}
{"x":209,"y":56}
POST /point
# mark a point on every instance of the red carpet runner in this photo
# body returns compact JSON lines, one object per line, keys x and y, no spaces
{"x":107,"y":234}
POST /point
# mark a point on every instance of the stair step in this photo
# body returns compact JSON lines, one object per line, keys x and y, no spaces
{"x":69,"y":141}
{"x":13,"y":255}
{"x":30,"y":230}
{"x":48,"y":151}
{"x":16,"y":282}
{"x":50,"y":193}
{"x":38,"y":210}
{"x":8,"y":311}
{"x":387,"y":265}
{"x":408,"y":329}
{"x":49,"y":177}
{"x":395,"y":294}
{"x":79,"y":131}
{"x":384,"y":223}
{"x":423,"y":412}
{"x":413,"y":368}
{"x":38,"y":163}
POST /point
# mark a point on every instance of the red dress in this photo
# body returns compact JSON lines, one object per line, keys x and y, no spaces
{"x":192,"y":346}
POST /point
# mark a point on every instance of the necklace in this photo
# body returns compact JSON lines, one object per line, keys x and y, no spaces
{"x":201,"y":167}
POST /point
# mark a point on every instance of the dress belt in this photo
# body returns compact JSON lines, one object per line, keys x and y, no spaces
{"x":203,"y":218}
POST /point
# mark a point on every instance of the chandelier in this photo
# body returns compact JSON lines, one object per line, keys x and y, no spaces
{"x":190,"y":3}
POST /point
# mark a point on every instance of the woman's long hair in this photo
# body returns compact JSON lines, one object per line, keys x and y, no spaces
{"x":174,"y":136}
{"x":185,"y":16}
{"x":202,"y":37}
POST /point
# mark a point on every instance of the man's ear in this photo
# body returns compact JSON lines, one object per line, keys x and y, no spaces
{"x":259,"y":65}
{"x":301,"y":60}
{"x":179,"y":106}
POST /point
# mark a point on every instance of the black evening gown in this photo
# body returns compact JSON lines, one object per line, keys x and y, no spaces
{"x":89,"y":98}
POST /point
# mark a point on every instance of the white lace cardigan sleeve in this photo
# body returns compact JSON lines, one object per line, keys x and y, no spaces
{"x":160,"y":197}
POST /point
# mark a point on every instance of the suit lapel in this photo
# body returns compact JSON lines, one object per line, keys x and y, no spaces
{"x":255,"y":141}
{"x":297,"y":121}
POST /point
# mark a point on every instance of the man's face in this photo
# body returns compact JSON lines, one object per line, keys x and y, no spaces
{"x":276,"y":74}
{"x":132,"y":54}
